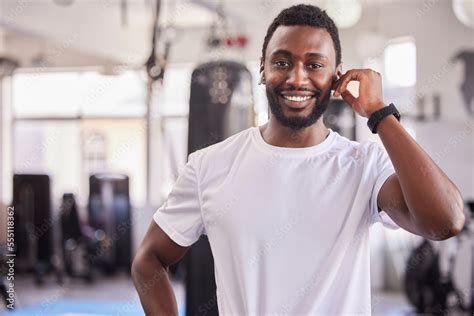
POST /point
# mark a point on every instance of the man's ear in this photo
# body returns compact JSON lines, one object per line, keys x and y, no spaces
{"x":339,"y":71}
{"x":337,"y":75}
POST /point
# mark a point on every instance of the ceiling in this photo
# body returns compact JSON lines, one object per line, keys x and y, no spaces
{"x":77,"y":33}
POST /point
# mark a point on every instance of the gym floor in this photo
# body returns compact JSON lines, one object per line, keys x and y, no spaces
{"x":120,"y":289}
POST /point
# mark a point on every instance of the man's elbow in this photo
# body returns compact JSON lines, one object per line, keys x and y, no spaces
{"x":141,"y":262}
{"x":136,"y":264}
{"x":145,"y":261}
{"x":459,"y":221}
{"x":457,"y":218}
{"x":451,"y":226}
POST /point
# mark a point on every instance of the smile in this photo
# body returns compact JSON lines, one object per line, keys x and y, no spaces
{"x":295,"y":98}
{"x":297,"y":102}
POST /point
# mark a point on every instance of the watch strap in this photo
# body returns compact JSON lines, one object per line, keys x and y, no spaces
{"x":378,"y":115}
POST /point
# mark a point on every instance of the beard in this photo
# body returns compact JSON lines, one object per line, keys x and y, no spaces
{"x":297,"y":123}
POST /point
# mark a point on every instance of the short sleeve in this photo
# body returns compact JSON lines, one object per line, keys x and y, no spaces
{"x":383,"y":168}
{"x":180,"y":215}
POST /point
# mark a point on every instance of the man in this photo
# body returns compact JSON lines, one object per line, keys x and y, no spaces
{"x":287,"y":206}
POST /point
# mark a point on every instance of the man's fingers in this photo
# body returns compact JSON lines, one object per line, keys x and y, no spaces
{"x":350,"y":77}
{"x":348,"y":97}
{"x":340,"y":80}
{"x":334,"y":84}
{"x":344,"y":81}
{"x":337,"y":85}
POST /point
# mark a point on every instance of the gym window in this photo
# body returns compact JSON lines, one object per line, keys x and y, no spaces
{"x":400,"y":63}
{"x":72,"y":124}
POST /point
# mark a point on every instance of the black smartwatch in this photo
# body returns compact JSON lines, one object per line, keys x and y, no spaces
{"x":377,"y":116}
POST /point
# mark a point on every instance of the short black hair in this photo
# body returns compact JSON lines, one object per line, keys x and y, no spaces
{"x":303,"y":14}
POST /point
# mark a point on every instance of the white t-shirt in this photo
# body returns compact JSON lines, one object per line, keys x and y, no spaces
{"x":288,"y":227}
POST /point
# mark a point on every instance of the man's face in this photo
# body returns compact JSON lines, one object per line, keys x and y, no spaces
{"x":299,"y":70}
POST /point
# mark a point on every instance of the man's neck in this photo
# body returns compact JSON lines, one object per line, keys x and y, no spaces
{"x":278,"y":135}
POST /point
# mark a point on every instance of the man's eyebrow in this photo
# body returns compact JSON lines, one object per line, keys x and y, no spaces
{"x":282,"y":52}
{"x":316,"y":55}
{"x":289,"y":54}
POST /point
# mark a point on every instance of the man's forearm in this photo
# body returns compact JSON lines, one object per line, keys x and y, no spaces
{"x":433,"y":200}
{"x":153,"y":286}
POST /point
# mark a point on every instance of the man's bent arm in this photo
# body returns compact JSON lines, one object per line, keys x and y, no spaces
{"x":150,"y":272}
{"x":419,"y":197}
{"x":153,"y":286}
{"x":433,"y":202}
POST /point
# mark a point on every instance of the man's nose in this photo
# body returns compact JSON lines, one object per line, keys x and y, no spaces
{"x":298,"y":76}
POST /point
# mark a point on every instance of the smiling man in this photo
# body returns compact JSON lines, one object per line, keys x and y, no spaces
{"x":287,"y":206}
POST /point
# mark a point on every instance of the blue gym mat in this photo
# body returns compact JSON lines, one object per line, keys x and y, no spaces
{"x":73,"y":307}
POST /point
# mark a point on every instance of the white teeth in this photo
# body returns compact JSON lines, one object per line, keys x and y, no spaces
{"x":297,"y":98}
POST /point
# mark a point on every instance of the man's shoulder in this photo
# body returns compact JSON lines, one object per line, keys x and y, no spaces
{"x":362,"y":149}
{"x":225,"y":147}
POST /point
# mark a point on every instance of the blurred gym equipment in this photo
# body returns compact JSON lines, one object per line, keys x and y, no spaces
{"x":427,"y":288}
{"x":110,"y":216}
{"x":33,"y":225}
{"x":467,"y":87}
{"x":340,"y":117}
{"x":7,"y":66}
{"x":220,"y":105}
{"x":78,"y":241}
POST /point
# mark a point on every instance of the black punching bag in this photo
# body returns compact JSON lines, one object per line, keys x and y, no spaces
{"x":221,"y":104}
{"x":33,"y":223}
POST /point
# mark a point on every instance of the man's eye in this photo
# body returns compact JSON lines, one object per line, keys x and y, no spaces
{"x":281,"y":63}
{"x":315,"y":66}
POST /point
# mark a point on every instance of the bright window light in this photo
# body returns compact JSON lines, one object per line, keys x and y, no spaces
{"x":59,"y":94}
{"x":400,"y":64}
